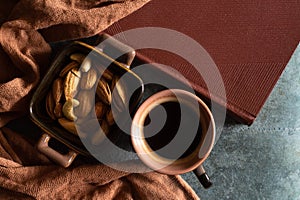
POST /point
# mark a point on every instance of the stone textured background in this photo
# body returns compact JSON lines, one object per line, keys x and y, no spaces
{"x":261,"y":161}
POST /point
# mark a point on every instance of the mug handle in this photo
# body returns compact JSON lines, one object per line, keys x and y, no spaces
{"x":202,"y":177}
{"x":63,"y":160}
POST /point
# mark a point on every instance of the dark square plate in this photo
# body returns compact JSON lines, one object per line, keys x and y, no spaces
{"x":38,"y":103}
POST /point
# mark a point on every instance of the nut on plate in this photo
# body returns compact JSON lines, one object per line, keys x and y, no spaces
{"x":100,"y":110}
{"x":68,"y":125}
{"x":101,"y":133}
{"x":103,"y":91}
{"x":58,"y":110}
{"x":57,"y":90}
{"x":72,"y":98}
{"x":88,"y":79}
{"x":86,"y":64}
{"x":110,"y":117}
{"x":86,"y":103}
{"x":88,"y":125}
{"x":68,"y":109}
{"x":71,"y":83}
{"x":68,"y":68}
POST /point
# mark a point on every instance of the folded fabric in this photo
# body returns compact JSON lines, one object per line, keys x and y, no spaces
{"x":26,"y":173}
{"x":27,"y":27}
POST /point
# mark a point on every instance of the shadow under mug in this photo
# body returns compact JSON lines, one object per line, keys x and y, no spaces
{"x":173,"y":132}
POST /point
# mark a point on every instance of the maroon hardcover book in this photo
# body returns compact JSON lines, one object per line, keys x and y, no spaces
{"x":250,"y":41}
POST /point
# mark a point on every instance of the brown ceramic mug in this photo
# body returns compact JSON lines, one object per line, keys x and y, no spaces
{"x":173,"y":132}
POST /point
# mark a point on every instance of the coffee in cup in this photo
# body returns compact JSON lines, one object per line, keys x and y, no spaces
{"x":173,"y":132}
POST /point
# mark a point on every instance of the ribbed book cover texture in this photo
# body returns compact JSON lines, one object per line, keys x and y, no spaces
{"x":251,"y":42}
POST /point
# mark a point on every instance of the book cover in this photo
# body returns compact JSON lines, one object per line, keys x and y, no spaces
{"x":250,"y":41}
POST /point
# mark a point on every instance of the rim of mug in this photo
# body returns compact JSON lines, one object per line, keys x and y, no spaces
{"x":161,"y":164}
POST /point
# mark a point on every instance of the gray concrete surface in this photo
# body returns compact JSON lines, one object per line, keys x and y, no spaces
{"x":261,"y":161}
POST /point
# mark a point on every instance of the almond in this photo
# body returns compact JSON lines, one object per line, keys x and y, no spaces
{"x":105,"y":127}
{"x":110,"y":118}
{"x":100,"y":110}
{"x":88,"y":125}
{"x":58,"y":110}
{"x":68,"y":125}
{"x":86,"y":99}
{"x":101,"y":133}
{"x":88,"y":79}
{"x":103,"y":91}
{"x":86,"y":65}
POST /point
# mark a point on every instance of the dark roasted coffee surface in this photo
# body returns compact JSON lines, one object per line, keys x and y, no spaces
{"x":176,"y":115}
